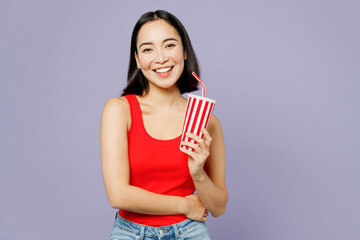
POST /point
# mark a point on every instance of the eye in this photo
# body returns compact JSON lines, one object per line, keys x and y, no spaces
{"x":146,"y":50}
{"x":170,"y":45}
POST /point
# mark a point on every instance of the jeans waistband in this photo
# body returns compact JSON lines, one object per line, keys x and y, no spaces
{"x":150,"y":231}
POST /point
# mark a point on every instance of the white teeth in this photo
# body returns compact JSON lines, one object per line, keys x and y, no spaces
{"x":163,"y":70}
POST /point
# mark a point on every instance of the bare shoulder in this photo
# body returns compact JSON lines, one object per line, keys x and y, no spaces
{"x":117,"y":108}
{"x":214,"y":124}
{"x":117,"y":104}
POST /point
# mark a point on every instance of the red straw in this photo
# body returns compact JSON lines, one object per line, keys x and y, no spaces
{"x":202,"y":84}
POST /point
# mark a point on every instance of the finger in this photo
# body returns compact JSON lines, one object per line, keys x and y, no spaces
{"x":194,"y":146}
{"x":207,"y":137}
{"x":187,"y":151}
{"x":206,"y":133}
{"x":195,"y":137}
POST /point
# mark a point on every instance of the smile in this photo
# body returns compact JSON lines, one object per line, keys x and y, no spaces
{"x":163,"y":70}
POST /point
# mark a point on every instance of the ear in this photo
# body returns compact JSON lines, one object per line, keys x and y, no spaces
{"x":185,"y":55}
{"x":137,"y":60}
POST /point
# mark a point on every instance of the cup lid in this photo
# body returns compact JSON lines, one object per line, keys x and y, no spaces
{"x":202,"y":98}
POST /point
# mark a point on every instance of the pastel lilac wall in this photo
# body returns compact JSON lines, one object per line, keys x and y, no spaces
{"x":286,"y":78}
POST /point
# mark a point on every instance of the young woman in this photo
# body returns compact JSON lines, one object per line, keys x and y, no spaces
{"x":147,"y":177}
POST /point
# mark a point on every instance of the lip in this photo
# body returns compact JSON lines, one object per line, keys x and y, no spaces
{"x":164,"y":74}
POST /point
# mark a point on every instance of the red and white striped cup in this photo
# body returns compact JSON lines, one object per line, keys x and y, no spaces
{"x":198,"y":112}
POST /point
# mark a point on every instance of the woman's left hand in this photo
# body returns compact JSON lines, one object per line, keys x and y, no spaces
{"x":197,"y":159}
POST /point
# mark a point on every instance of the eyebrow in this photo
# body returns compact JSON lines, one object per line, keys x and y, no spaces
{"x":150,"y":43}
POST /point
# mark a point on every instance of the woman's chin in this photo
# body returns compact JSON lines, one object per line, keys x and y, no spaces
{"x":167,"y":84}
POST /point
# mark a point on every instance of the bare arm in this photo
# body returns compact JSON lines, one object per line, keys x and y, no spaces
{"x":207,"y":168}
{"x":115,"y":122}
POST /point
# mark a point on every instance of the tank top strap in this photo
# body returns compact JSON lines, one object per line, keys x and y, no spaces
{"x":135,"y":110}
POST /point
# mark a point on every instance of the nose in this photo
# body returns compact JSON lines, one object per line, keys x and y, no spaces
{"x":161,"y":57}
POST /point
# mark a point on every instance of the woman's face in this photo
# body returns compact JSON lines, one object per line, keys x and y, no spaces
{"x":160,"y":54}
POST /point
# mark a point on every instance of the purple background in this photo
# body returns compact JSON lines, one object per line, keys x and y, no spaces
{"x":285,"y":75}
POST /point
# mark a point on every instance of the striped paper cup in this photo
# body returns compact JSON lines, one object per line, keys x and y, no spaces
{"x":198,"y":112}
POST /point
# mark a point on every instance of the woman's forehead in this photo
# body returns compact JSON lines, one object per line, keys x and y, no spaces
{"x":155,"y":31}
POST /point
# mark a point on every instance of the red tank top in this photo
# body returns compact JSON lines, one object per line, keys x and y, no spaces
{"x":157,"y":166}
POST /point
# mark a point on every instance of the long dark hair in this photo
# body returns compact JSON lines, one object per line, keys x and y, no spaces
{"x":136,"y":82}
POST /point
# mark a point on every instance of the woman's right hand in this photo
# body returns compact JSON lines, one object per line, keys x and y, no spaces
{"x":195,"y":209}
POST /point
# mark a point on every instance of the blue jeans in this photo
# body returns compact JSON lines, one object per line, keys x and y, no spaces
{"x":185,"y":230}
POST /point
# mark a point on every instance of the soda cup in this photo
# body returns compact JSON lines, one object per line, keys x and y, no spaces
{"x":198,"y":112}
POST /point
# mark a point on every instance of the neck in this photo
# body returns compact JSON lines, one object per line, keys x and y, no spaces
{"x":163,"y":97}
